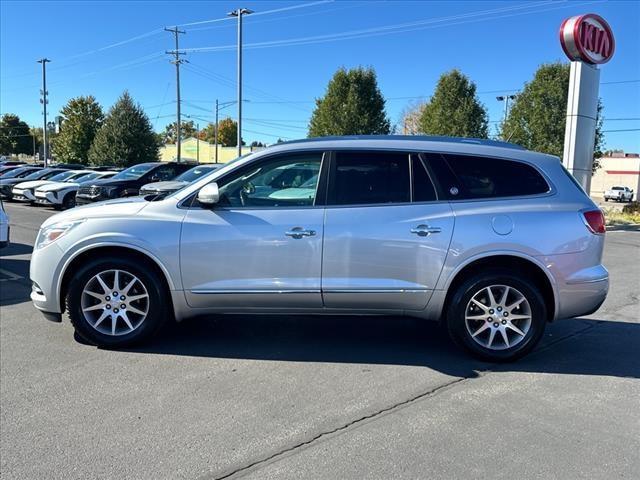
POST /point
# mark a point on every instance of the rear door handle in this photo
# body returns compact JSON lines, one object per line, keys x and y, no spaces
{"x":424,"y":230}
{"x":299,"y":232}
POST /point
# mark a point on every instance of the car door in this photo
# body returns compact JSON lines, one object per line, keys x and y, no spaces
{"x":386,"y":234}
{"x":261,"y":245}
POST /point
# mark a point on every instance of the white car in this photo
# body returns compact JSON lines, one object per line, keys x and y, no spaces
{"x":62,"y":195}
{"x":25,"y":191}
{"x":4,"y":226}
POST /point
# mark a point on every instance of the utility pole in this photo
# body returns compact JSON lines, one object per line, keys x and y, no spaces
{"x":198,"y":142}
{"x":44,"y":103}
{"x":216,"y":131}
{"x":239,"y":13}
{"x":505,"y":99}
{"x":177,"y":61}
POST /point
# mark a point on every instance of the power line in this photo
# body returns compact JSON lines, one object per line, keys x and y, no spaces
{"x":622,"y":130}
{"x":399,"y":28}
{"x":266,"y":12}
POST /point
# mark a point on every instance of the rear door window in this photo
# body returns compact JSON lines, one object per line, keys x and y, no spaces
{"x":486,"y":177}
{"x":365,"y":177}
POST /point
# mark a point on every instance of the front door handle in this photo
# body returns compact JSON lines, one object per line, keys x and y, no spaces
{"x":299,"y":232}
{"x":424,"y":230}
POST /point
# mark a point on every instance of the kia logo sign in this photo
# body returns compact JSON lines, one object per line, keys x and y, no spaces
{"x":587,"y":38}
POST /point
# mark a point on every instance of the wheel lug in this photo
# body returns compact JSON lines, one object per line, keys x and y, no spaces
{"x":506,"y":314}
{"x":123,"y":306}
{"x":108,"y":307}
{"x":115,"y":294}
{"x":499,"y":309}
{"x":491,"y":311}
{"x":489,"y":319}
{"x":115,"y":310}
{"x":123,"y":298}
{"x":496,"y":324}
{"x":107,"y":298}
{"x":504,"y":322}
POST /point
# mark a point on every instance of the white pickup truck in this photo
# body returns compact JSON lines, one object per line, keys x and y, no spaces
{"x":619,"y":194}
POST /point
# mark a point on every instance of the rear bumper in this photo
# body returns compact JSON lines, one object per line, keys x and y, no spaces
{"x":583,"y":292}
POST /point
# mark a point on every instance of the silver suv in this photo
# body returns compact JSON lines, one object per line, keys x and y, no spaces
{"x":488,"y":238}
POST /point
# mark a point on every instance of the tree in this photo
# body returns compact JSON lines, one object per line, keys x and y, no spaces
{"x":208,"y":133}
{"x":187,"y":129}
{"x":537,"y":118}
{"x":454,"y":109}
{"x":228,"y":132}
{"x":352,"y":105}
{"x":125,"y":138}
{"x":255,"y":143}
{"x":81,"y":119}
{"x":15,"y":135}
{"x":411,"y":116}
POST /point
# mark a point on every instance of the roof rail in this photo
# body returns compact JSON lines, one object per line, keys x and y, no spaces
{"x":415,"y":138}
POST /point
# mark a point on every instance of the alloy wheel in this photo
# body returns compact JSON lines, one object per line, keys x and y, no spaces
{"x":115,"y":302}
{"x":498,"y":317}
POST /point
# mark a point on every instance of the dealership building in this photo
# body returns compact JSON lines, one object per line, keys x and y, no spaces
{"x":617,"y":168}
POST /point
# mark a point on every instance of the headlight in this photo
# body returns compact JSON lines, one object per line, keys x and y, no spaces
{"x":53,"y":232}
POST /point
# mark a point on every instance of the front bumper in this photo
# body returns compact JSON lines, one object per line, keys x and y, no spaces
{"x":46,"y":198}
{"x":23,"y":196}
{"x":45,"y":274}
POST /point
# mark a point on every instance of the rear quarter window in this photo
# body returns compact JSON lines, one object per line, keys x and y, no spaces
{"x":486,"y":177}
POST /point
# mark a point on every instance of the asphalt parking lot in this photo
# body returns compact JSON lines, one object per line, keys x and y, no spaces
{"x":270,"y":397}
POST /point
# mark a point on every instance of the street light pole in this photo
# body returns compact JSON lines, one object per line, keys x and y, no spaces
{"x":239,"y":13}
{"x":44,"y":103}
{"x":505,"y":99}
{"x":198,"y":142}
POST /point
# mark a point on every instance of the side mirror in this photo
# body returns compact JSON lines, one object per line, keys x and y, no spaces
{"x":209,"y":194}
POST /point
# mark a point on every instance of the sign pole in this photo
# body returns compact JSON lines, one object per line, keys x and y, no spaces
{"x":580,"y":129}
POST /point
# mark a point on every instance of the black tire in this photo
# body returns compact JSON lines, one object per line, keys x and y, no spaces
{"x":69,"y":201}
{"x":460,"y":302}
{"x":156,"y":304}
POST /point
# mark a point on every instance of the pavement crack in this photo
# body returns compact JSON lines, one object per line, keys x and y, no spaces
{"x":396,"y":406}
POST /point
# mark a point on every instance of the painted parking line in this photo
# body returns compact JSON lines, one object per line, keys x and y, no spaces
{"x":7,"y":276}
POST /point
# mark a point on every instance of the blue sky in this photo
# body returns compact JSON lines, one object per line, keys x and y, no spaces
{"x":103,"y":48}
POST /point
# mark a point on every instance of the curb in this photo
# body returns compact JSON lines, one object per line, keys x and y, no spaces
{"x":632,"y":227}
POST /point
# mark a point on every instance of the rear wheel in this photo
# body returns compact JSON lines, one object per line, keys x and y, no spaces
{"x":116,"y":302}
{"x":498,"y":315}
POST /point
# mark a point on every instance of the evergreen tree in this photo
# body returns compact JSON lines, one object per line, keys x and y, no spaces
{"x":537,"y":119}
{"x":81,"y":119}
{"x":352,"y":105}
{"x":15,"y":135}
{"x":454,"y":109}
{"x":125,"y":138}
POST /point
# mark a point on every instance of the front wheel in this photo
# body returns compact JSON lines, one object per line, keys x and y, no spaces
{"x":497,"y":316}
{"x":116,"y":302}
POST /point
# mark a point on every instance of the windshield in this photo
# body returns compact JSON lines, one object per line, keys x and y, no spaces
{"x":90,"y":176}
{"x":135,"y":172}
{"x":195,"y":172}
{"x":17,"y":173}
{"x":40,"y":174}
{"x":617,"y":188}
{"x":77,"y":177}
{"x":62,"y":176}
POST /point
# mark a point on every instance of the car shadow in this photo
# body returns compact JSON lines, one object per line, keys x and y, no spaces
{"x":574,"y":346}
{"x":15,"y":249}
{"x":15,"y":286}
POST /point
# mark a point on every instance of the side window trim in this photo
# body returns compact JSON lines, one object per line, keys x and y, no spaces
{"x":331,"y":187}
{"x":319,"y":201}
{"x":419,"y":157}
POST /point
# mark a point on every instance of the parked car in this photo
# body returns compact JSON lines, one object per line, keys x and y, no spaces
{"x":430,"y":227}
{"x":127,"y":183}
{"x":25,"y":191}
{"x":619,"y":194}
{"x":7,"y":169}
{"x":62,"y":195}
{"x":11,"y":163}
{"x":4,"y":226}
{"x":165,"y":188}
{"x":8,"y":181}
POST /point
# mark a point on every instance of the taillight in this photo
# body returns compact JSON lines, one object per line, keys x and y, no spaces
{"x":594,"y":220}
